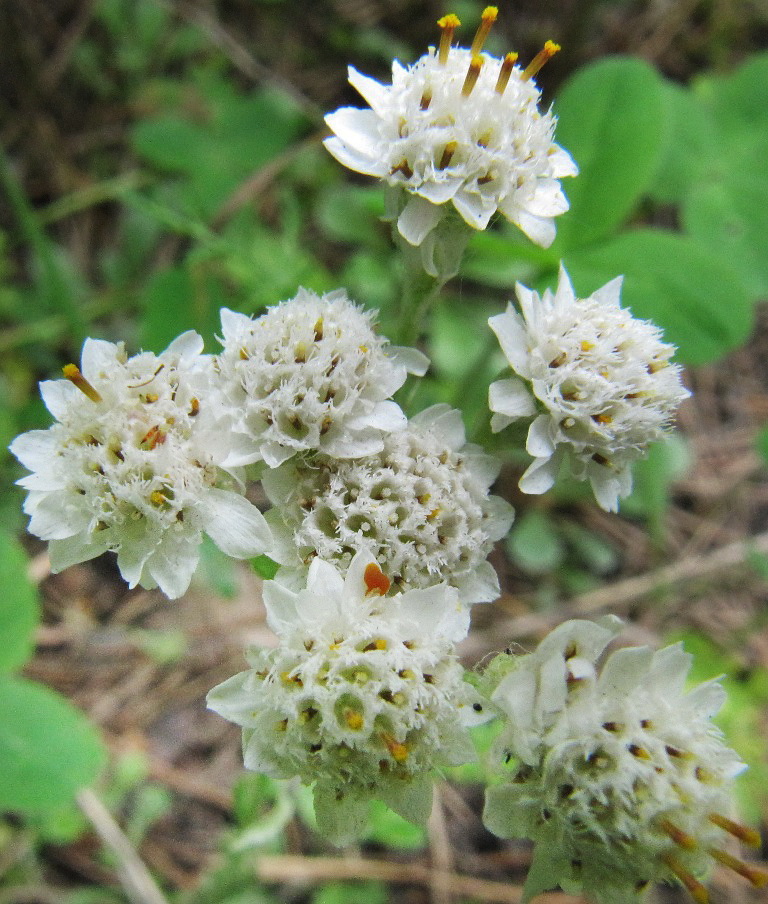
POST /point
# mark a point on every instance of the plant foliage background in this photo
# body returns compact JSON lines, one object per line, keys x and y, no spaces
{"x":163,"y":159}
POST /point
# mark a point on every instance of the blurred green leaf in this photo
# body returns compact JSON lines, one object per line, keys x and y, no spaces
{"x":652,"y":479}
{"x":20,"y":609}
{"x":534,"y":543}
{"x":611,"y":120}
{"x":48,"y":748}
{"x":697,"y":298}
{"x":387,"y":828}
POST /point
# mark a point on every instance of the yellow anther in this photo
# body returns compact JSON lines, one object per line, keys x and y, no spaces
{"x":194,"y":407}
{"x":318,"y":329}
{"x":450,"y":150}
{"x":426,"y":99}
{"x":602,"y":418}
{"x":586,"y":346}
{"x":399,"y":751}
{"x":473,"y":73}
{"x":546,"y":53}
{"x":150,"y":398}
{"x":681,"y":838}
{"x":353,"y":719}
{"x":640,"y":752}
{"x":758,"y":877}
{"x":424,"y":498}
{"x":154,"y":437}
{"x":434,"y":513}
{"x":655,"y":366}
{"x":695,"y":889}
{"x":157,"y":498}
{"x":448,"y":24}
{"x":507,"y":64}
{"x":407,"y":674}
{"x":72,"y":373}
{"x":486,"y":23}
{"x":743,"y":833}
{"x":300,"y":353}
{"x":244,"y":356}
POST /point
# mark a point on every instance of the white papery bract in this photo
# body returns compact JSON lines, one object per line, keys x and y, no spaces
{"x":619,"y":771}
{"x":421,"y":506}
{"x":597,"y":382}
{"x":362,"y":697}
{"x":133,"y":464}
{"x":439,"y":145}
{"x":310,"y":375}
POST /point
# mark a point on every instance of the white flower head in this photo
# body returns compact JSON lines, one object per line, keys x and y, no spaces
{"x":133,"y":464}
{"x":620,"y":778}
{"x":421,"y":506}
{"x":598,"y":383}
{"x":310,"y":375}
{"x":458,"y":126}
{"x":362,"y":697}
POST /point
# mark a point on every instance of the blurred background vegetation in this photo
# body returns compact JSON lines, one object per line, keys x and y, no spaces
{"x":163,"y":159}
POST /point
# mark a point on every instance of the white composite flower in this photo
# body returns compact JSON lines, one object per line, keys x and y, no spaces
{"x":459,"y":127}
{"x":597,"y":383}
{"x":421,"y":505}
{"x":363,"y":697}
{"x":619,"y":776}
{"x":310,"y":375}
{"x":133,"y":464}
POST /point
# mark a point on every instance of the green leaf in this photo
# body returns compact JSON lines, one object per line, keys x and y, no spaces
{"x":534,"y":543}
{"x":48,"y":748}
{"x":738,"y":102}
{"x":20,"y":609}
{"x":696,"y":297}
{"x":264,"y":567}
{"x":611,"y":120}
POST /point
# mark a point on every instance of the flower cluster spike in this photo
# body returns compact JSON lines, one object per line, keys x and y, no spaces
{"x":618,"y":776}
{"x":503,"y":156}
{"x":597,"y":384}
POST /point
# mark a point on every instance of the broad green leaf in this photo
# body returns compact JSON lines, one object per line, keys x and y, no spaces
{"x":728,"y":212}
{"x":611,"y":120}
{"x":48,"y":749}
{"x":738,"y":102}
{"x":690,"y":148}
{"x":19,"y":609}
{"x":696,"y":297}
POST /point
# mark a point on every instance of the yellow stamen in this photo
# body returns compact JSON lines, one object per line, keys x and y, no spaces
{"x":505,"y":72}
{"x":681,"y":838}
{"x":473,"y":73}
{"x":640,"y":752}
{"x":300,"y":353}
{"x":450,"y":150}
{"x":486,"y":22}
{"x":194,"y":407}
{"x":544,"y":55}
{"x":157,"y":498}
{"x":375,"y":580}
{"x":154,"y":437}
{"x":433,"y":514}
{"x":426,"y":99}
{"x":758,"y":877}
{"x":353,"y":719}
{"x":586,"y":346}
{"x":602,"y":418}
{"x":72,"y":373}
{"x":399,"y":751}
{"x":319,"y":329}
{"x":448,"y":24}
{"x":695,"y":889}
{"x":743,"y":833}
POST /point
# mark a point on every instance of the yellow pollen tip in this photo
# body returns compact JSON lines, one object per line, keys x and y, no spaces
{"x":743,"y":833}
{"x":695,"y":889}
{"x":505,"y":72}
{"x":318,"y":328}
{"x":586,"y":346}
{"x":157,"y":498}
{"x":681,"y":838}
{"x":300,"y":353}
{"x":473,"y":73}
{"x":603,"y":418}
{"x":399,"y":751}
{"x":353,"y":719}
{"x":757,"y":877}
{"x":448,"y":24}
{"x":73,"y":374}
{"x":486,"y":22}
{"x":542,"y":57}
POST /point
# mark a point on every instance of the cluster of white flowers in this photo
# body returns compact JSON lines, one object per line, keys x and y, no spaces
{"x":421,"y":505}
{"x":135,"y":463}
{"x":363,"y":697}
{"x":619,"y":777}
{"x":310,"y":375}
{"x":597,"y":382}
{"x":458,"y":126}
{"x":382,"y":526}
